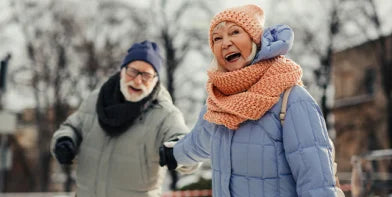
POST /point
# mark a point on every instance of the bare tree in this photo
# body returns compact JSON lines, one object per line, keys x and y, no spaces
{"x":179,"y":39}
{"x":317,"y":40}
{"x":119,"y":26}
{"x":323,"y":74}
{"x":50,"y":77}
{"x":176,"y":29}
{"x":69,"y":54}
{"x":65,"y":61}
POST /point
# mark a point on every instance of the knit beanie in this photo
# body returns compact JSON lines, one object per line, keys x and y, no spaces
{"x":249,"y":17}
{"x":145,"y":51}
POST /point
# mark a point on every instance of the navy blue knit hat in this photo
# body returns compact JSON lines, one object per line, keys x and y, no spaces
{"x":145,"y":51}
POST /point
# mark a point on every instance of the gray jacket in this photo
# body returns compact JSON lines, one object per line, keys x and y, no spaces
{"x":127,"y":165}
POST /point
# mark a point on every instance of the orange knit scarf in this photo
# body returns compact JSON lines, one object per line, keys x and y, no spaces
{"x":246,"y":94}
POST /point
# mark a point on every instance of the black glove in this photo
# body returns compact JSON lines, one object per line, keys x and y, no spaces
{"x":166,"y":157}
{"x":65,"y":150}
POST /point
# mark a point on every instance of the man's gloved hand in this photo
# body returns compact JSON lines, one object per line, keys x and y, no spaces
{"x":65,"y":150}
{"x":166,"y":156}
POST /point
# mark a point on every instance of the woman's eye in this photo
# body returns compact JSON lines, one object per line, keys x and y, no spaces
{"x":217,"y":39}
{"x":235,"y":32}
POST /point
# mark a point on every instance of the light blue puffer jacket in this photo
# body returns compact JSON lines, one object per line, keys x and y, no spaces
{"x":261,"y":158}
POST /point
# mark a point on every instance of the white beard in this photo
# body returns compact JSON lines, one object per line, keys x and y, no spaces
{"x":134,"y":97}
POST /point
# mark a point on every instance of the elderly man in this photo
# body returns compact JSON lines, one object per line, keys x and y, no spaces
{"x":117,"y":131}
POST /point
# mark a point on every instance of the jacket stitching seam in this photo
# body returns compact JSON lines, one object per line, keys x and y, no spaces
{"x":317,"y":144}
{"x":299,"y":148}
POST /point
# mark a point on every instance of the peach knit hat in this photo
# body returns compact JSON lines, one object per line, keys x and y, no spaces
{"x":249,"y":17}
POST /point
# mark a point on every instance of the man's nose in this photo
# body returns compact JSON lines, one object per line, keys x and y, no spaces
{"x":138,"y":79}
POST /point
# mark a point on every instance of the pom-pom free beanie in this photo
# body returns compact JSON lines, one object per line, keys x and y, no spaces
{"x":145,"y":51}
{"x":249,"y":17}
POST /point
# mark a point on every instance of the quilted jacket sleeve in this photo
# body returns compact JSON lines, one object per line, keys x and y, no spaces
{"x":196,"y":146}
{"x":308,"y":150}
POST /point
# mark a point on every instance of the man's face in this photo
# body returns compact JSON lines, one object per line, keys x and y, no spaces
{"x":138,"y":79}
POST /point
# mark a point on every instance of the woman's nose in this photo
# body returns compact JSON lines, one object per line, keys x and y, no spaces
{"x":226,"y":42}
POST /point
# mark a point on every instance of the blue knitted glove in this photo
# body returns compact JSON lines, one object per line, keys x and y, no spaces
{"x":276,"y":40}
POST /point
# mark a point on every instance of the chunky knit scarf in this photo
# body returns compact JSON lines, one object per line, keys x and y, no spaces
{"x":115,"y":114}
{"x":248,"y":93}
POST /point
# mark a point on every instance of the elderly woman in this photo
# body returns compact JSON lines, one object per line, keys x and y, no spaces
{"x":241,"y":129}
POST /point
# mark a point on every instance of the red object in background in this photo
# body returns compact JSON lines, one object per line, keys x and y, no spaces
{"x":188,"y":193}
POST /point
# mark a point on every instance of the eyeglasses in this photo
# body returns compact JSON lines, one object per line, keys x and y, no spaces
{"x":133,"y":73}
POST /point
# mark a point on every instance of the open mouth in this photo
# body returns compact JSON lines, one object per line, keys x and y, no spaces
{"x":233,"y":57}
{"x":134,"y":89}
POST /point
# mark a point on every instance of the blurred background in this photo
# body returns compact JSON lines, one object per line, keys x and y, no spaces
{"x":55,"y":52}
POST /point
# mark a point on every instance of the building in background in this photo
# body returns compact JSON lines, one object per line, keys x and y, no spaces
{"x":22,"y":175}
{"x":360,"y":115}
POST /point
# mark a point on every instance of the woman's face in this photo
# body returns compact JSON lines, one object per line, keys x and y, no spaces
{"x":231,"y":46}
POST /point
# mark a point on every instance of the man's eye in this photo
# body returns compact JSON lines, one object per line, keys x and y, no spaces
{"x":147,"y":75}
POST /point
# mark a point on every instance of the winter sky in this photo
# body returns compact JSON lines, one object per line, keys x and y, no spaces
{"x":11,"y":39}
